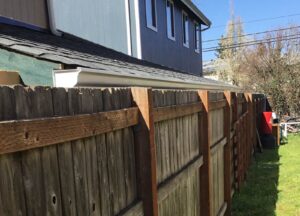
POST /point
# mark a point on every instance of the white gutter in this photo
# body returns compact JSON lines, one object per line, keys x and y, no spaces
{"x":52,"y":18}
{"x":85,"y":77}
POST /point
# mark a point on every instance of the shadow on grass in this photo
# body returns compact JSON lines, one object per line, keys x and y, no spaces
{"x":258,"y":194}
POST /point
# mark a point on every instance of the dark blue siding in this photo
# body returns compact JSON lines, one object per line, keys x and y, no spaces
{"x":158,"y":48}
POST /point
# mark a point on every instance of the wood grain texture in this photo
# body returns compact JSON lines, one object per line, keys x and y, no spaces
{"x":205,"y":171}
{"x":227,"y":153}
{"x":79,"y":157}
{"x":128,"y":152}
{"x":102,"y":159}
{"x":11,"y":184}
{"x":183,"y":197}
{"x":176,"y":139}
{"x":28,"y":134}
{"x":217,"y":104}
{"x":145,"y":151}
{"x":87,"y":106}
{"x":171,"y":184}
{"x":136,"y":210}
{"x":175,"y":111}
{"x":65,"y":159}
{"x":43,"y":107}
{"x":33,"y":178}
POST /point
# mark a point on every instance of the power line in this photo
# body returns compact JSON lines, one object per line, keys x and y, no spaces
{"x":254,"y":41}
{"x":210,"y":49}
{"x":259,"y":20}
{"x":254,"y":33}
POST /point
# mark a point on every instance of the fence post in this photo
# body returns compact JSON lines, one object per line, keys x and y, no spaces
{"x":145,"y":150}
{"x":205,"y":170}
{"x":227,"y":153}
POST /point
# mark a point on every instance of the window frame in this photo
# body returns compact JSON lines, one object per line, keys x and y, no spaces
{"x":149,"y":23}
{"x":185,"y":36}
{"x":172,"y":21}
{"x":197,"y":40}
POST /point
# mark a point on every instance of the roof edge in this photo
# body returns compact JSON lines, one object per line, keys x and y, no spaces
{"x":189,"y":4}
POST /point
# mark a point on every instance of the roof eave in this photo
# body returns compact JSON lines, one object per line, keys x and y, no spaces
{"x":190,"y":5}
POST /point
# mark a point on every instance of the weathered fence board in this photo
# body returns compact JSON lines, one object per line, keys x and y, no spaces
{"x":28,"y":134}
{"x":65,"y":159}
{"x":11,"y":184}
{"x":123,"y":151}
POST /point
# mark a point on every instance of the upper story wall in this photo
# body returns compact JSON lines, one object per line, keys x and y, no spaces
{"x":105,"y":22}
{"x":32,"y":12}
{"x":158,"y":48}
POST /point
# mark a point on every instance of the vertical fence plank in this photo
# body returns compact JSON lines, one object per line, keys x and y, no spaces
{"x":227,"y":153}
{"x":112,"y":156}
{"x":129,"y":158}
{"x":12,"y":200}
{"x":91,"y":158}
{"x":31,"y":160}
{"x":145,"y":151}
{"x":60,"y":108}
{"x":79,"y":157}
{"x":43,"y":107}
{"x":102,"y":160}
{"x":205,"y":170}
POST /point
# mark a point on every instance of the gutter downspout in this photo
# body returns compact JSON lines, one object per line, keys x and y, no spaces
{"x":208,"y":27}
{"x":52,"y":19}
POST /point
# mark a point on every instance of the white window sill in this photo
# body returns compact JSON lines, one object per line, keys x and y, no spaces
{"x":197,"y":50}
{"x":186,"y":45}
{"x":152,"y":28}
{"x":171,"y":38}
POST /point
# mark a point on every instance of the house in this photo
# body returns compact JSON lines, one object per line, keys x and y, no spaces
{"x":163,"y":32}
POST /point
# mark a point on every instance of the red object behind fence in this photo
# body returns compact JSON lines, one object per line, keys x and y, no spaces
{"x":266,"y":123}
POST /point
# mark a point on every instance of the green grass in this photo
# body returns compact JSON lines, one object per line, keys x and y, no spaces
{"x":273,"y":183}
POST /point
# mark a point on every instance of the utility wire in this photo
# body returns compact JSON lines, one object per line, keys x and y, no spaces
{"x":210,"y":49}
{"x":254,"y":41}
{"x":259,"y":20}
{"x":254,"y":33}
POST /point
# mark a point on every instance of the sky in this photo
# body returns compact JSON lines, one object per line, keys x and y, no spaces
{"x":218,"y":11}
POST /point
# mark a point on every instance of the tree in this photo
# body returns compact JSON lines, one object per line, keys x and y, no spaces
{"x":270,"y":66}
{"x":273,"y":68}
{"x":229,"y":54}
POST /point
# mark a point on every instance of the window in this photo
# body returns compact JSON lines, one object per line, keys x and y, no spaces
{"x":197,"y":37}
{"x":151,"y":14}
{"x":185,"y":28}
{"x":170,"y":20}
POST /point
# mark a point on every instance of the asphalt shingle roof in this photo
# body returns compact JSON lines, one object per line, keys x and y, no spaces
{"x":74,"y":52}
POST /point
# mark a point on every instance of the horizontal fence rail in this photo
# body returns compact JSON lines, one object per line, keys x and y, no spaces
{"x":28,"y":134}
{"x":124,"y":151}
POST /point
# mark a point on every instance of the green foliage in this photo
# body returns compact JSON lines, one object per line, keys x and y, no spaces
{"x":272,"y":68}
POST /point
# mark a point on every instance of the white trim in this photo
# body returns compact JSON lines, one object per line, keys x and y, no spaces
{"x":51,"y":16}
{"x":154,"y":28}
{"x":171,"y":37}
{"x":187,"y":43}
{"x":195,"y":39}
{"x":138,"y":29}
{"x":129,"y":49}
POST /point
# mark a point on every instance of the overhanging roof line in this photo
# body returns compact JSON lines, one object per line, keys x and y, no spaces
{"x":190,"y":5}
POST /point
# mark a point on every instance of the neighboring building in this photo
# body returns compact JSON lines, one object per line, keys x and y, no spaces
{"x":209,"y":70}
{"x":163,"y":32}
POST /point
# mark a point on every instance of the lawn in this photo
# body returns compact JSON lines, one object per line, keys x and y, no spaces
{"x":273,"y":183}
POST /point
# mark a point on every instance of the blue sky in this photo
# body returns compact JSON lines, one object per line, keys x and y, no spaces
{"x":218,"y":11}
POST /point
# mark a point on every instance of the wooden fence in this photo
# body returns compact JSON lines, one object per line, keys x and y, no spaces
{"x":123,"y":151}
